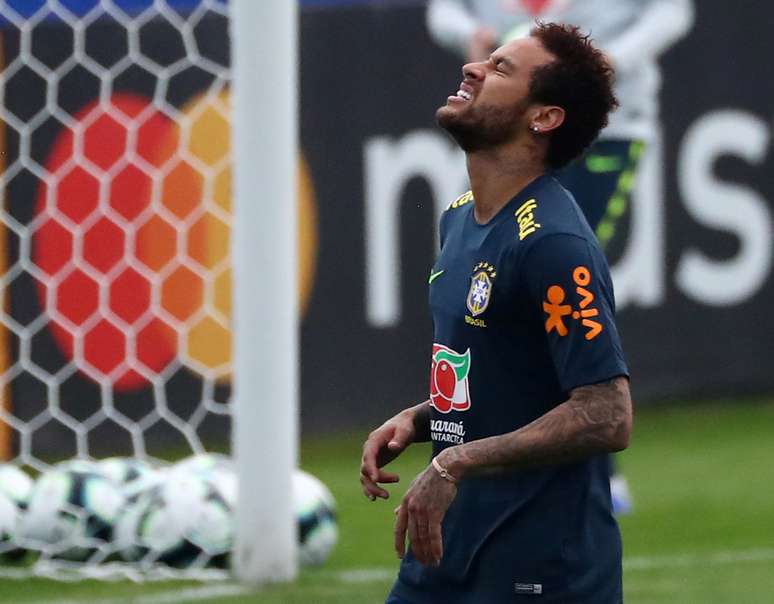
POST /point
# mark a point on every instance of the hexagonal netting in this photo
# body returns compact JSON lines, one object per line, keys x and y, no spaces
{"x":115,"y":166}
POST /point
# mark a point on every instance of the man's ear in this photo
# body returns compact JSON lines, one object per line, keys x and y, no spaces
{"x":546,"y":118}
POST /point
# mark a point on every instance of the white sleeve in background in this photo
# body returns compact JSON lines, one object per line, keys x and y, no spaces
{"x":661,"y":24}
{"x":450,"y":24}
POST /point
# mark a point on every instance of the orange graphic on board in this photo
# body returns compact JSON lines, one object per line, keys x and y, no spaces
{"x":133,"y":238}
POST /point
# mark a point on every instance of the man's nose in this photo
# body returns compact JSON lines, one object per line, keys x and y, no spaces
{"x":473,"y":71}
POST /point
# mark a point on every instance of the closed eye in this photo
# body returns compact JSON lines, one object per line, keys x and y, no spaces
{"x":503,"y":65}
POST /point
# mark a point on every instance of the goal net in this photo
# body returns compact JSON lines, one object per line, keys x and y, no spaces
{"x":115,"y":167}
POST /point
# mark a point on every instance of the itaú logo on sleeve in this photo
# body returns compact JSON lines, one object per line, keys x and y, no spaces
{"x":449,"y":371}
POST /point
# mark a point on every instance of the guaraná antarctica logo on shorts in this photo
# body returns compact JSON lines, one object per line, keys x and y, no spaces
{"x":449,"y":389}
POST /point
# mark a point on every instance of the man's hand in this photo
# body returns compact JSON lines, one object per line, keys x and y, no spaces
{"x":382,"y":446}
{"x":420,"y":513}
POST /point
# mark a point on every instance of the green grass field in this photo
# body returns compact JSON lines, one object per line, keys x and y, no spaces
{"x":702,"y":531}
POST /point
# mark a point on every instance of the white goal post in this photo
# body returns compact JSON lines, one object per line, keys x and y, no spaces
{"x":265,"y":286}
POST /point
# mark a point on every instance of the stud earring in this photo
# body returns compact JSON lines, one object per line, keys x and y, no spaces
{"x":535,"y":129}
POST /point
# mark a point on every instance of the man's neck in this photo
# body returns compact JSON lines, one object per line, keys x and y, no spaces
{"x":497,"y":175}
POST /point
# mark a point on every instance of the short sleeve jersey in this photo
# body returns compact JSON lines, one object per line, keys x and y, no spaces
{"x":522,"y":311}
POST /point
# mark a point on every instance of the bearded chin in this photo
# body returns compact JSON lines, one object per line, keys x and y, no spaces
{"x":485,"y":127}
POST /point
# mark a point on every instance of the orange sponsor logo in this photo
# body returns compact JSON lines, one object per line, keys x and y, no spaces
{"x":556,"y":309}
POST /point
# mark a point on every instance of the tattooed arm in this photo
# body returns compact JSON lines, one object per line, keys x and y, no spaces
{"x":595,"y":419}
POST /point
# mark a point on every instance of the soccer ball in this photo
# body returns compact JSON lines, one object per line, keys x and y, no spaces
{"x":71,"y":511}
{"x":184,"y":520}
{"x":215,"y":468}
{"x":315,"y":510}
{"x":204,"y":463}
{"x":187,"y":517}
{"x":131,"y":474}
{"x":9,"y":514}
{"x":15,"y":488}
{"x":9,"y":517}
{"x":15,"y":484}
{"x":124,"y":470}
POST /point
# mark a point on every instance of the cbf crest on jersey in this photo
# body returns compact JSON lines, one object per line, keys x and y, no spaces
{"x":480,"y":291}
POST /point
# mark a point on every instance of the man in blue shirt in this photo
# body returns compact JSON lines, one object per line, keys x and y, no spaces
{"x":528,"y":387}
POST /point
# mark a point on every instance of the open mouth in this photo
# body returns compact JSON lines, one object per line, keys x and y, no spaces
{"x":463,"y":95}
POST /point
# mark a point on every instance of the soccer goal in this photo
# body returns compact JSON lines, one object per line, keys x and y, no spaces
{"x":123,"y":344}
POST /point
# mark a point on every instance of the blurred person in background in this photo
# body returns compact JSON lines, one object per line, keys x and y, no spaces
{"x":529,"y":389}
{"x":633,"y":34}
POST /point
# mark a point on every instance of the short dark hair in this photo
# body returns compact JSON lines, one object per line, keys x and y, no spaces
{"x":580,"y":81}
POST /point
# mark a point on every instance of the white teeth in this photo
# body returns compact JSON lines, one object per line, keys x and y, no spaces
{"x":465,"y":95}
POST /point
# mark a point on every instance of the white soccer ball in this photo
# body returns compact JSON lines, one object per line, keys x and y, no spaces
{"x":71,"y":511}
{"x":132,"y":474}
{"x":204,"y":463}
{"x":216,"y":468}
{"x":15,"y":484}
{"x":183,"y":520}
{"x":15,"y":489}
{"x":187,"y":518}
{"x":9,"y":518}
{"x":315,"y":509}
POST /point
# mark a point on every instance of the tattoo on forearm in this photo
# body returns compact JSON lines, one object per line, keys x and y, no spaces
{"x":595,"y":419}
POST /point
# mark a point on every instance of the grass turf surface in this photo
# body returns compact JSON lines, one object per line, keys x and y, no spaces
{"x":702,"y":530}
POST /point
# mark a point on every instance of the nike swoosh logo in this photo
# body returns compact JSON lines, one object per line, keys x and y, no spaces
{"x":434,"y":276}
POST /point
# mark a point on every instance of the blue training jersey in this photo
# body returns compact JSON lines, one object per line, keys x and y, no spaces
{"x":522,"y":311}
